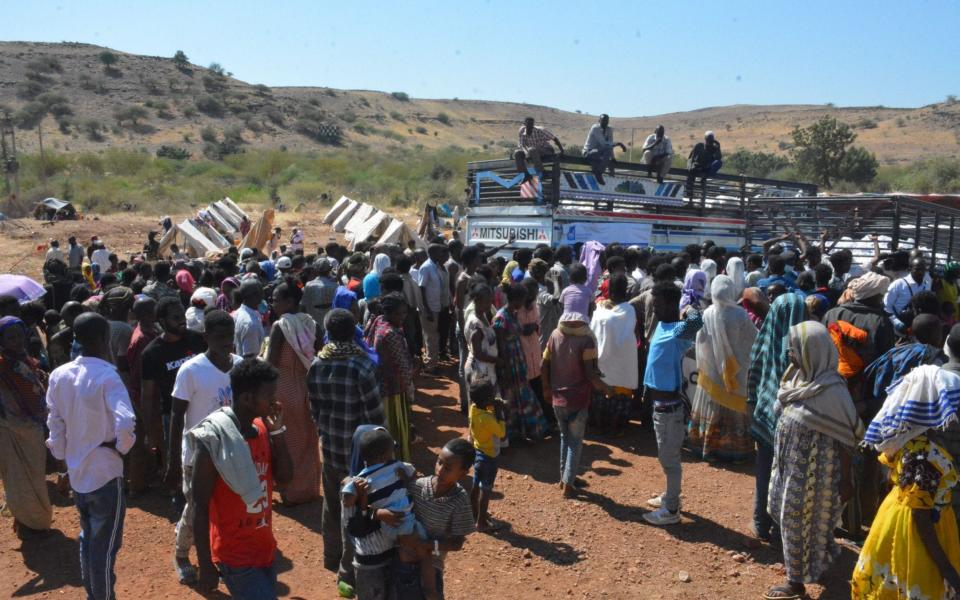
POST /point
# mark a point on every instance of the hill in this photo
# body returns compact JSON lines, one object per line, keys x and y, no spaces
{"x":84,"y":100}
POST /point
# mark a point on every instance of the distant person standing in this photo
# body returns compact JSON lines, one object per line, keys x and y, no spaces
{"x":75,"y":255}
{"x":533,"y":145}
{"x":705,"y":160}
{"x":658,"y":153}
{"x":598,"y":148}
{"x":91,"y":425}
{"x":55,"y":253}
{"x":296,"y":240}
{"x":101,"y":256}
{"x":249,"y":334}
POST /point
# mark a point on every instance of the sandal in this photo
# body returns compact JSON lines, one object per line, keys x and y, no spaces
{"x":785,"y":592}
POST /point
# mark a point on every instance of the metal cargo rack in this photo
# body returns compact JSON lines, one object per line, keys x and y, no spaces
{"x":905,"y":221}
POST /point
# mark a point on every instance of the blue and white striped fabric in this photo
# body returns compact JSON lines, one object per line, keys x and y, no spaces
{"x":928,"y":397}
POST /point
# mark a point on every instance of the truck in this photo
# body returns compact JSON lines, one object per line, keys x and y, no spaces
{"x":567,"y":204}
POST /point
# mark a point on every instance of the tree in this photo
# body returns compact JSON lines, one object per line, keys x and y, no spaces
{"x":108,"y":59}
{"x":858,"y":166}
{"x":755,"y":164}
{"x":180,"y":60}
{"x":130,"y":113}
{"x":217,"y":68}
{"x":820,"y":148}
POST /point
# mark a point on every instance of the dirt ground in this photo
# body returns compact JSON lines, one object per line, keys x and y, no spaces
{"x":597,"y":546}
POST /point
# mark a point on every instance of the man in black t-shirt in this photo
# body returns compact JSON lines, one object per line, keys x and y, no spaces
{"x":161,"y":361}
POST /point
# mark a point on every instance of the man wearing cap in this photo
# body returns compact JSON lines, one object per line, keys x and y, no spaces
{"x":318,"y":293}
{"x":284,"y":264}
{"x":658,"y":153}
{"x":705,"y":160}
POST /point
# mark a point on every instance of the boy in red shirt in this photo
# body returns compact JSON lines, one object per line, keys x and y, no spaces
{"x":233,"y":489}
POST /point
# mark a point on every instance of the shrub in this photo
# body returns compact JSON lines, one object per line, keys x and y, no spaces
{"x":349,"y":116}
{"x":401,"y":96}
{"x":208,"y":134}
{"x":361,"y":128}
{"x":213,"y":84}
{"x":316,"y":129}
{"x":45,"y":64}
{"x":865,"y":123}
{"x":189,"y":112}
{"x":64,"y":123}
{"x":153,"y":87}
{"x":172,"y":152}
{"x":421,"y":130}
{"x":30,"y":115}
{"x":210,"y":106}
{"x":217,"y":69}
{"x":444,"y":118}
{"x":133,"y":114}
{"x":261,"y":90}
{"x":30,"y":89}
{"x":108,"y":59}
{"x":900,"y":122}
{"x":165,"y":114}
{"x":754,"y":164}
{"x":275,"y":115}
{"x":93,"y":128}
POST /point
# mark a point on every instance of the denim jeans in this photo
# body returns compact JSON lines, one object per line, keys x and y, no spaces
{"x":101,"y":532}
{"x":670,"y":430}
{"x":250,"y":583}
{"x":572,"y":424}
{"x":406,"y":581}
{"x":464,"y":395}
{"x":761,"y":518}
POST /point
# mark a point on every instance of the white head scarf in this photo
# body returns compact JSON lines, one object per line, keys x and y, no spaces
{"x":736,"y":272}
{"x":709,"y":267}
{"x":715,"y":322}
{"x":380,"y":262}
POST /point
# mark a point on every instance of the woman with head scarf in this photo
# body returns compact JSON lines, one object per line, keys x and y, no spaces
{"x":201,"y":299}
{"x":387,"y":339}
{"x":913,"y":549}
{"x":755,"y":302}
{"x":291,"y":348}
{"x":23,"y":455}
{"x":768,"y":363}
{"x":225,"y":299}
{"x":709,"y":268}
{"x":371,"y":282}
{"x":185,"y":283}
{"x":694,"y":288}
{"x":719,"y":423}
{"x":524,"y":416}
{"x":736,"y":272}
{"x":817,"y":431}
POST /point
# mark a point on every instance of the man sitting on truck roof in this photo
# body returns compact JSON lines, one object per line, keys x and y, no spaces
{"x":533,"y":144}
{"x":658,"y":153}
{"x":598,"y":148}
{"x":705,"y":160}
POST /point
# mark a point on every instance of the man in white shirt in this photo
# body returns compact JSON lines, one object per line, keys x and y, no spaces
{"x":902,"y":291}
{"x":101,"y":256}
{"x":598,"y":148}
{"x":55,"y":253}
{"x":202,"y":386}
{"x":614,"y":325}
{"x":658,"y":153}
{"x":431,"y":288}
{"x":91,"y":425}
{"x":248,"y":335}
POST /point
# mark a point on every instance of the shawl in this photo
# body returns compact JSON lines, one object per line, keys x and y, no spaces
{"x":887,"y":370}
{"x":22,"y":389}
{"x":812,"y":392}
{"x":223,"y":300}
{"x":300,"y":331}
{"x":87,"y":271}
{"x":694,"y":287}
{"x":506,"y":278}
{"x":184,"y":281}
{"x":341,"y":350}
{"x":768,"y":363}
{"x":723,"y":347}
{"x":590,"y":258}
{"x":396,"y":372}
{"x":868,"y":285}
{"x":736,"y":272}
{"x":755,"y":303}
{"x":926,"y":398}
{"x":709,"y":267}
{"x":380,"y":262}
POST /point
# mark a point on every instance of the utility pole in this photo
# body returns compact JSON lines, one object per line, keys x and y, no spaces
{"x":8,"y":154}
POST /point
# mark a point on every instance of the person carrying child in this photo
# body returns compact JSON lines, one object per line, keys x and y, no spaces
{"x":487,"y":427}
{"x":378,"y":514}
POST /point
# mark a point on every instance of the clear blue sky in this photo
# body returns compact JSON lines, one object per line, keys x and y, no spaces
{"x":625,"y":58}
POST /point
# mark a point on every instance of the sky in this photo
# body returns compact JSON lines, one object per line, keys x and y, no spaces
{"x":624,"y":58}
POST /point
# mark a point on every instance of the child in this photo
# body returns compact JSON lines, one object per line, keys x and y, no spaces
{"x":663,"y":380}
{"x":570,"y":375}
{"x":378,"y":514}
{"x":577,"y":297}
{"x":487,"y":426}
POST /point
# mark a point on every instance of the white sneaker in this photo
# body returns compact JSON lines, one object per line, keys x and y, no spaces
{"x":657,"y":502}
{"x":662,"y":516}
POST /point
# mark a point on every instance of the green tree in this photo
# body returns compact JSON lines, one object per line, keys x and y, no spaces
{"x":130,"y":113}
{"x":180,"y":60}
{"x":108,"y":59}
{"x":217,"y":69}
{"x":858,"y":166}
{"x":820,"y":148}
{"x":754,"y":164}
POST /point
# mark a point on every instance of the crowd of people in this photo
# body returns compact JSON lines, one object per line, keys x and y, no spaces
{"x":224,"y":380}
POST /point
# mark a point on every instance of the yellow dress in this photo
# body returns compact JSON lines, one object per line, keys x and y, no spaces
{"x":894,"y":563}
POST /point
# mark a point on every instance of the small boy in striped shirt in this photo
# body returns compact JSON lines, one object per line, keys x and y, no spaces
{"x":379,"y":515}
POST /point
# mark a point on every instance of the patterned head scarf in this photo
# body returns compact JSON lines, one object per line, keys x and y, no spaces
{"x":928,"y":397}
{"x":769,"y":361}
